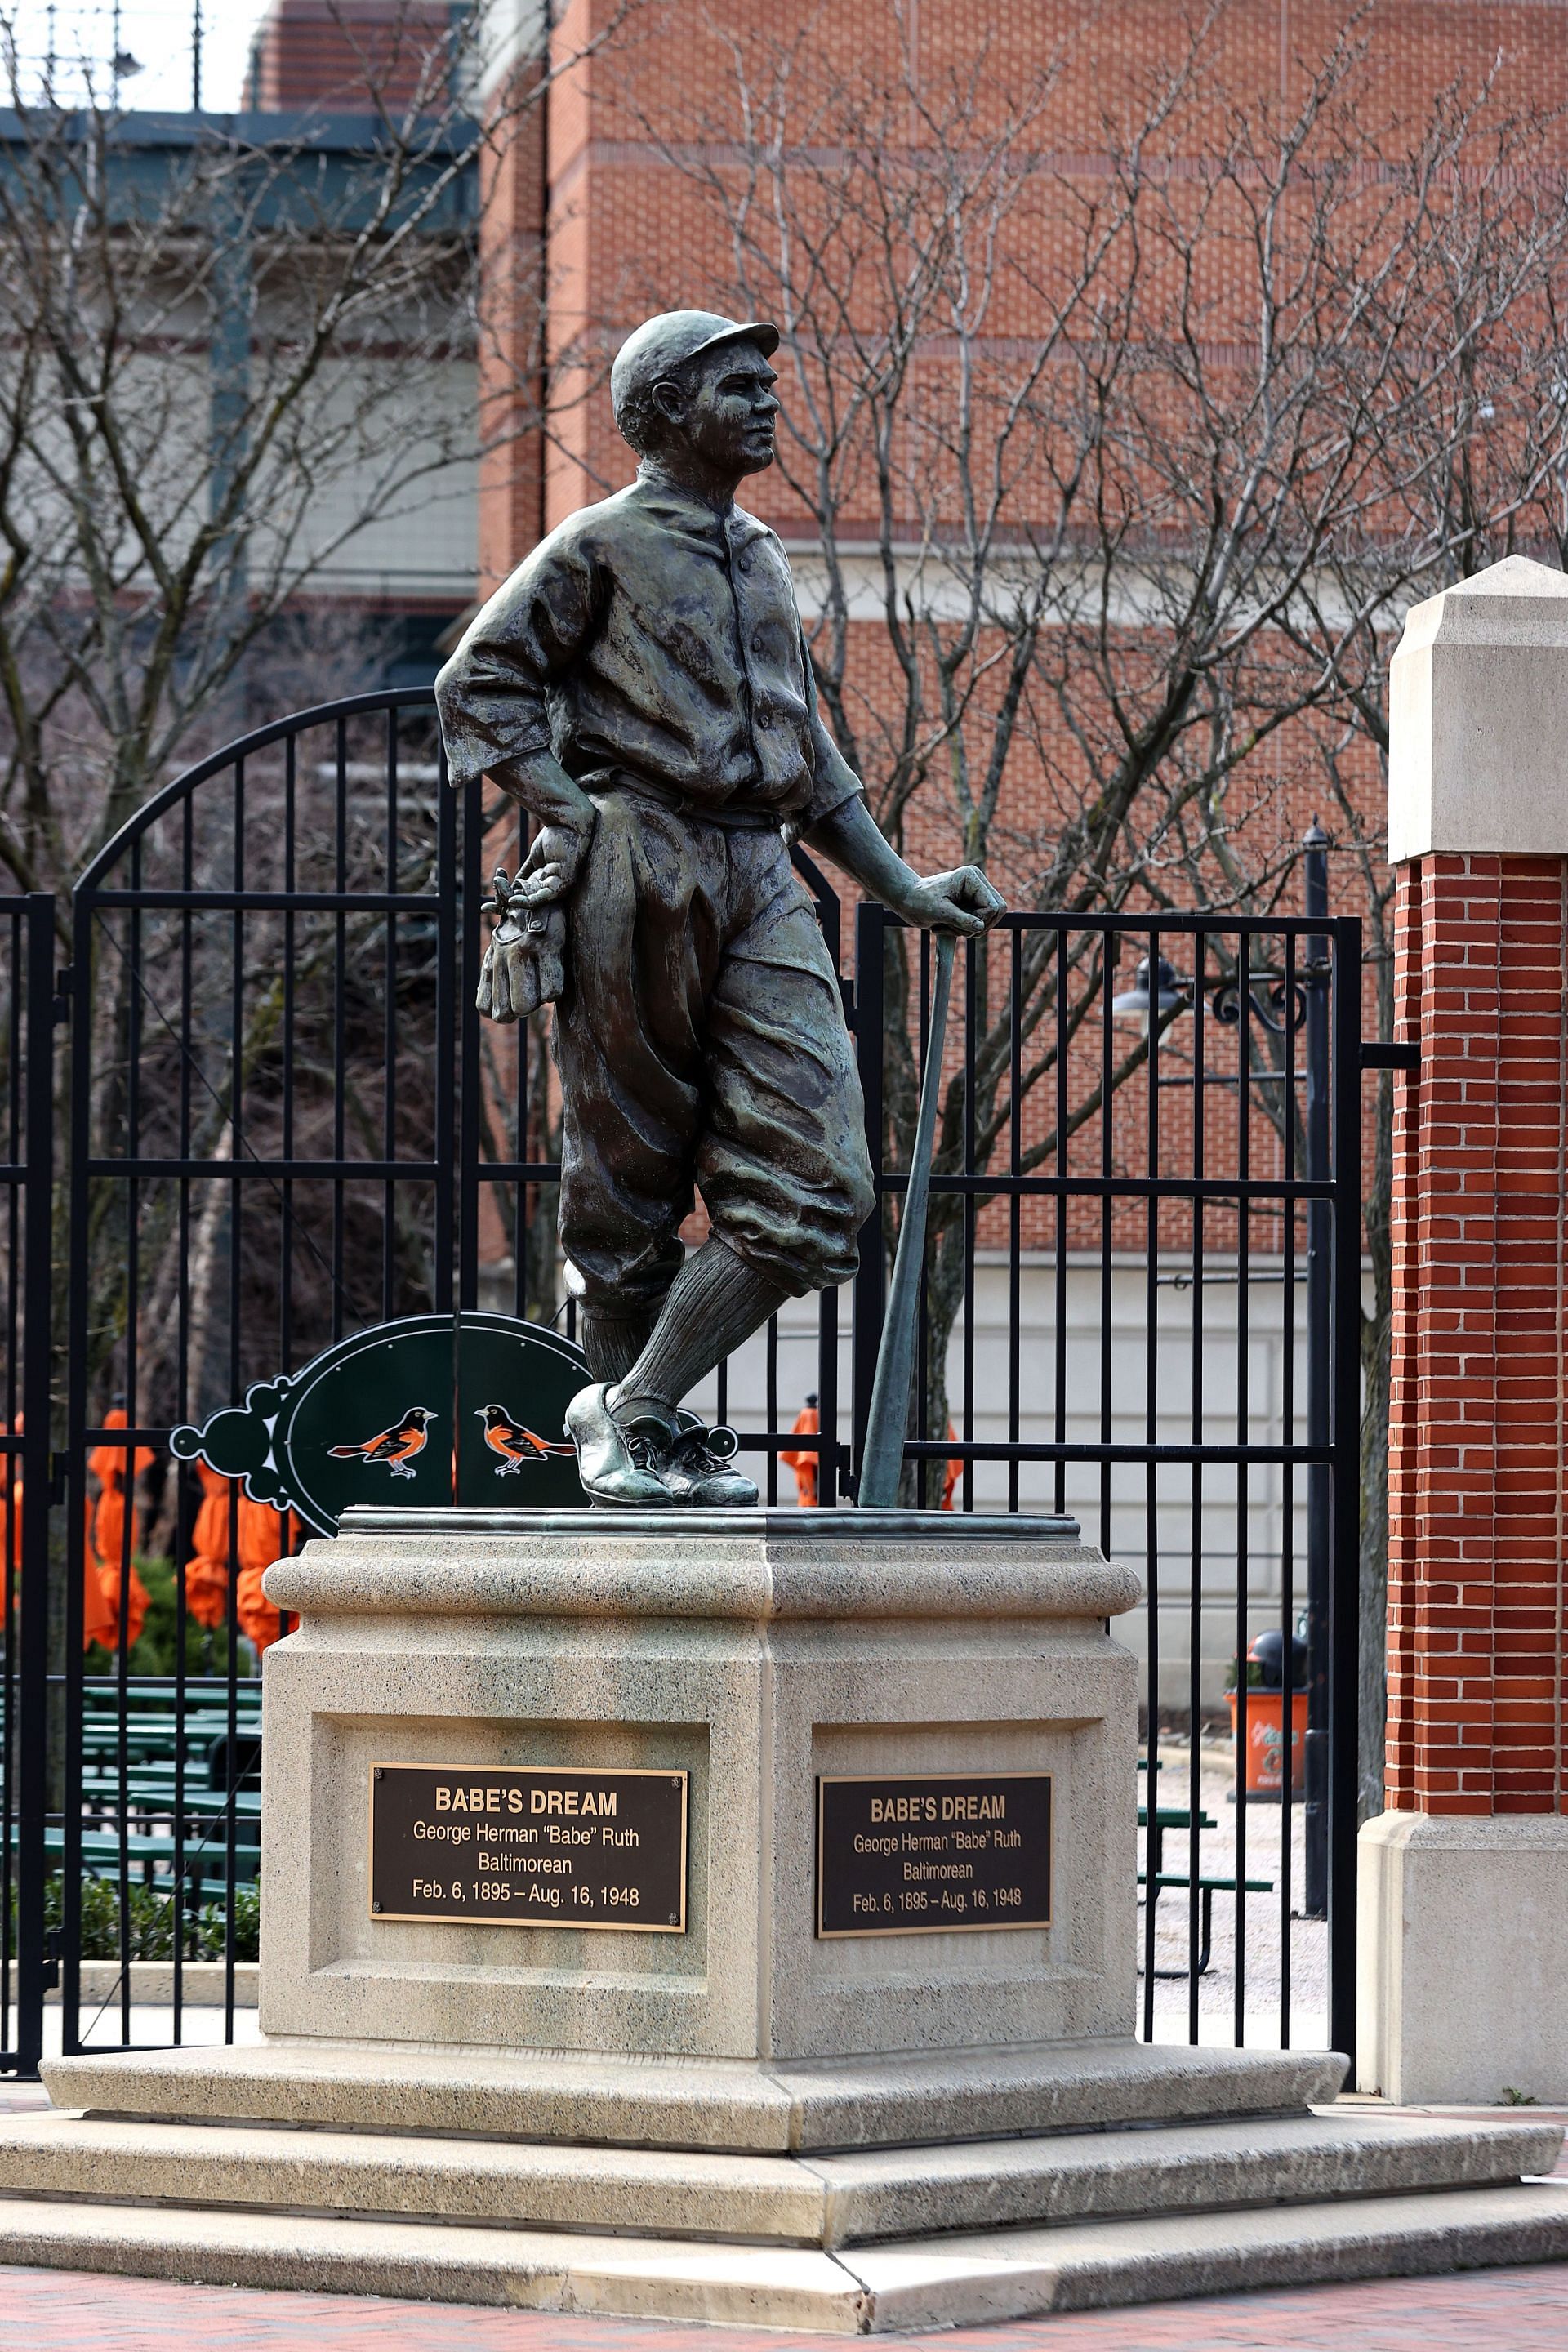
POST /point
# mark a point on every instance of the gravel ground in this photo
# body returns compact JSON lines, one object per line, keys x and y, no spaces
{"x":1274,"y":2012}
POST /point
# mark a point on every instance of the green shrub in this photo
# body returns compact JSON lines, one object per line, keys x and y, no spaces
{"x":246,"y":1926}
{"x":151,"y":1922}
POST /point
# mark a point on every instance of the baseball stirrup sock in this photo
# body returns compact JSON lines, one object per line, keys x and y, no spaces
{"x":613,"y":1343}
{"x":715,"y":1301}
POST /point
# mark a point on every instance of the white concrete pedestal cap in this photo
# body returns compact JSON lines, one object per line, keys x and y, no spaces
{"x":1464,"y":1957}
{"x":754,"y":1651}
{"x":1478,"y":718}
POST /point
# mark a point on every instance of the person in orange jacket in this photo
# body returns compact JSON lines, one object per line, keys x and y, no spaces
{"x":97,"y":1620}
{"x":803,"y":1461}
{"x":106,"y":1464}
{"x":206,"y":1571}
{"x":264,"y":1535}
{"x":259,"y":1534}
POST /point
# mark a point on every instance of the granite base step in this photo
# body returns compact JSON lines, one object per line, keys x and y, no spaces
{"x":907,"y":2284}
{"x":827,"y":2201}
{"x":864,"y":2196}
{"x":764,"y":2107}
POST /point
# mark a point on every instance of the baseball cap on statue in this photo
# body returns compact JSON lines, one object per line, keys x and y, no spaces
{"x":658,"y":348}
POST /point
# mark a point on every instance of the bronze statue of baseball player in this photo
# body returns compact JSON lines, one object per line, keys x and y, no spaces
{"x":642,"y":686}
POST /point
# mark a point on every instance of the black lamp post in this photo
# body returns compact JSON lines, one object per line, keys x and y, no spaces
{"x":1136,"y":1004}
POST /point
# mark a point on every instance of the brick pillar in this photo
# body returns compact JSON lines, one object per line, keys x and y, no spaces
{"x":1464,"y":1880}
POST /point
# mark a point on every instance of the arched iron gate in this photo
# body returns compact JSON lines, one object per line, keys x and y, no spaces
{"x":287,"y":1123}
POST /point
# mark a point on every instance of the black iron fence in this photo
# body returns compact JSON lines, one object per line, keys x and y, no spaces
{"x":287,"y":1123}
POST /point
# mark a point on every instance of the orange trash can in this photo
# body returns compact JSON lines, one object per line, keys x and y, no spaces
{"x":1264,"y":1765}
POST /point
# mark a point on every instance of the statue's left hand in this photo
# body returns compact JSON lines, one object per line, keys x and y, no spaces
{"x":962,"y":900}
{"x":551,"y":866}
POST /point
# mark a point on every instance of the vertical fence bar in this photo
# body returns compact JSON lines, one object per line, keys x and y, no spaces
{"x":340,"y":1012}
{"x":84,"y":921}
{"x":1014,"y":1199}
{"x":1062,"y":1207}
{"x":445,"y":1207}
{"x":1319,"y":1320}
{"x":469,"y":1072}
{"x":973,"y":965}
{"x":1243,"y":1487}
{"x":1345,"y":1605}
{"x":1195,"y":1493}
{"x":389,"y":1040}
{"x":238,"y":1111}
{"x":14,"y":1150}
{"x":182,"y":1377}
{"x":1107,"y":1229}
{"x":922,"y":1351}
{"x":871,"y":1279}
{"x":132,"y":1098}
{"x":1153,"y":1844}
{"x":33,"y":1680}
{"x":1287,"y":1515}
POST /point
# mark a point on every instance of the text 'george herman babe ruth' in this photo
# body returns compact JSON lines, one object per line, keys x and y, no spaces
{"x":642,"y":685}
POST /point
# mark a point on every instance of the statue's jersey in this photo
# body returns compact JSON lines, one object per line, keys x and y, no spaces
{"x":653,"y":635}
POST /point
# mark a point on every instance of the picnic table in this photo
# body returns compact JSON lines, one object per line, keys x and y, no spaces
{"x":1171,"y":1817}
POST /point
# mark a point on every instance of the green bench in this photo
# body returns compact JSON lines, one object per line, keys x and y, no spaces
{"x":205,"y":1867}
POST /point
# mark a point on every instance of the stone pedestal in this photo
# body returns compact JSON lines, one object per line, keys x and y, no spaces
{"x":729,"y":2114}
{"x":755,"y":1652}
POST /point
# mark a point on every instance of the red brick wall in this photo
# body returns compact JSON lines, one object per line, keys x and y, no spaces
{"x":631,"y":233}
{"x":335,"y":52}
{"x":512,"y":344}
{"x":1477,"y":1451}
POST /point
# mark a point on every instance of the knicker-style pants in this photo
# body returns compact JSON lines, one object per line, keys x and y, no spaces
{"x":700,"y":1040}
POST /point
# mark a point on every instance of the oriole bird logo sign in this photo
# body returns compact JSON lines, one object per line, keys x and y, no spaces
{"x":396,"y":1446}
{"x":516,"y":1446}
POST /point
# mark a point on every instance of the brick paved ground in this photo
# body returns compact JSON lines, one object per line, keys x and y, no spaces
{"x":60,"y":2311}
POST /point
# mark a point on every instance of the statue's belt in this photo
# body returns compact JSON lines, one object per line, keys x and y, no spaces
{"x":730,"y":820}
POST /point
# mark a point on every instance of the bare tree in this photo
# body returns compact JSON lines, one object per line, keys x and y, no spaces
{"x":1476,"y":468}
{"x":237,"y":380}
{"x":1112,"y":486}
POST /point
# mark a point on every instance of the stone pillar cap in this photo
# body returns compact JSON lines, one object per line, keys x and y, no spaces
{"x":1478,"y":718}
{"x":698,"y":1564}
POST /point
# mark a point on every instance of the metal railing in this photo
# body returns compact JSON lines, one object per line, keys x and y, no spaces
{"x":287,"y":1123}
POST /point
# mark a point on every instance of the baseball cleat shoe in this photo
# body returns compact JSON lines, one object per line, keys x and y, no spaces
{"x":696,"y":1468}
{"x":614,"y":1466}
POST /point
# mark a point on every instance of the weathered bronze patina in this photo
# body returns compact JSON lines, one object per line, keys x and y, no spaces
{"x":642,"y":685}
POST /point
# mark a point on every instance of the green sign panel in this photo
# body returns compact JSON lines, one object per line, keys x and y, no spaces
{"x":427,"y":1411}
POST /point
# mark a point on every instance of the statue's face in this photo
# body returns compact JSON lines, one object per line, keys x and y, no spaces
{"x":724,"y":407}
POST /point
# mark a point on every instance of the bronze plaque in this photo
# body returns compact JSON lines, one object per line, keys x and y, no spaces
{"x":933,"y":1853}
{"x":535,"y":1845}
